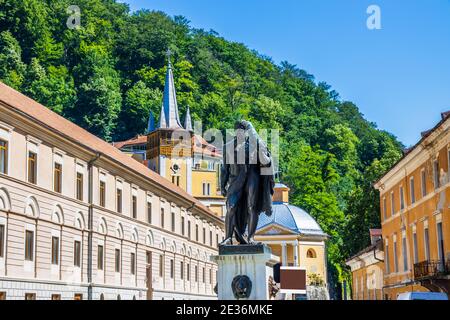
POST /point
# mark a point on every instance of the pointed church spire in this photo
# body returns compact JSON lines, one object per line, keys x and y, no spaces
{"x":188,"y":120}
{"x":170,"y":106}
{"x":151,"y":123}
{"x":162,"y":119}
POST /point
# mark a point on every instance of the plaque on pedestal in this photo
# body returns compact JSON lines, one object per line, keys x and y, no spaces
{"x":244,"y":272}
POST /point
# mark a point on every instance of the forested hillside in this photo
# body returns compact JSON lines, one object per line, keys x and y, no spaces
{"x":108,"y":74}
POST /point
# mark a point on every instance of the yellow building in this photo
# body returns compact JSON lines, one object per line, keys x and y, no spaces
{"x":367,"y":267}
{"x":177,"y":154}
{"x":415,"y":212}
{"x":295,"y":237}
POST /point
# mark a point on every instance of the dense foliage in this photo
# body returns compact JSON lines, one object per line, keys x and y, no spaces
{"x":109,"y":73}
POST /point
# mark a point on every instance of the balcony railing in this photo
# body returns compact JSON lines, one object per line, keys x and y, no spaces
{"x":431,"y":269}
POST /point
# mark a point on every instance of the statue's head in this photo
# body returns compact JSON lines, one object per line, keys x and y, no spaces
{"x":240,"y":124}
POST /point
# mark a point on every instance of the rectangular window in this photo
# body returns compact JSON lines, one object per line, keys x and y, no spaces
{"x":416,"y":253}
{"x":395,"y":257}
{"x":392,"y":204}
{"x":78,"y":297}
{"x":148,"y":257}
{"x":162,"y":218}
{"x":55,"y":250}
{"x":189,"y":230}
{"x":436,"y":173}
{"x":117,"y":260}
{"x":405,"y":254}
{"x":203,"y":275}
{"x":176,"y":180}
{"x":134,"y":207}
{"x":100,"y":257}
{"x":448,"y":162}
{"x":56,"y":297}
{"x":77,"y":254}
{"x":149,"y":212}
{"x":80,"y":186}
{"x":412,"y":190}
{"x":29,"y":245}
{"x":173,"y":221}
{"x":3,"y":157}
{"x":423,"y":182}
{"x":172,"y":271}
{"x":204,"y":235}
{"x":196,"y":273}
{"x":133,"y":263}
{"x":57,"y":177}
{"x":387,"y":261}
{"x":181,"y":270}
{"x":210,"y":276}
{"x":182,"y":226}
{"x":384,"y":208}
{"x":102,"y":193}
{"x":440,"y":239}
{"x":161,"y":265}
{"x":30,"y":296}
{"x":2,"y":240}
{"x":188,"y":272}
{"x":402,"y":199}
{"x":217,"y":240}
{"x":119,"y":200}
{"x":32,"y":167}
{"x":426,"y":239}
{"x":3,"y":295}
{"x":196,"y":232}
{"x":210,"y":238}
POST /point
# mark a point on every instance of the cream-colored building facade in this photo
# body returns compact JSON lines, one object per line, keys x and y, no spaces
{"x":367,"y":268}
{"x":81,"y":220}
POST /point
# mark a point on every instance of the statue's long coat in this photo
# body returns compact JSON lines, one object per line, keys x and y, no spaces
{"x":234,"y":178}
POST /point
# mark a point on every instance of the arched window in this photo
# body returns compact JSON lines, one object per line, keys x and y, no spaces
{"x":149,"y":238}
{"x":119,"y":231}
{"x":5,"y":204}
{"x":32,"y":208}
{"x":311,"y":253}
{"x":79,"y":221}
{"x":118,"y":297}
{"x":58,"y":216}
{"x":135,"y":235}
{"x":102,"y":227}
{"x":102,"y":296}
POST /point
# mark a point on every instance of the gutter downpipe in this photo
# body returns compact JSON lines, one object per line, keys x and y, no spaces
{"x":91,"y":220}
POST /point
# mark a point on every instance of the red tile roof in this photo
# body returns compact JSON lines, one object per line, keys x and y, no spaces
{"x":375,"y":232}
{"x":47,"y":118}
{"x":130,"y":142}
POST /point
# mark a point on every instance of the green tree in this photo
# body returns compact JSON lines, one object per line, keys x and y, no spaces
{"x":99,"y":98}
{"x":12,"y":69}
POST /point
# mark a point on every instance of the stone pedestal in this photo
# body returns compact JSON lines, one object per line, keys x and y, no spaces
{"x":244,"y":271}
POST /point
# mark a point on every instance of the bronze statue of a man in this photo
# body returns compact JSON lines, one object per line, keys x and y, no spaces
{"x":247,"y":181}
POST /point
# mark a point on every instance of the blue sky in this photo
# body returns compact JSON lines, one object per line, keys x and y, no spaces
{"x":398,"y":76}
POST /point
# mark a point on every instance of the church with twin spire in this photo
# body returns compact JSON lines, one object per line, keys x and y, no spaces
{"x":176,"y":153}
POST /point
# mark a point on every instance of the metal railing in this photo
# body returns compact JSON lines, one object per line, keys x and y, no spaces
{"x":431,"y":269}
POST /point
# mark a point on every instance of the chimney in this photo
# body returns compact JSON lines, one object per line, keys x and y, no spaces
{"x":281,"y":193}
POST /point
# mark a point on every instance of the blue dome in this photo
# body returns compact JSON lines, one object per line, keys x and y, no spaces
{"x":292,"y":218}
